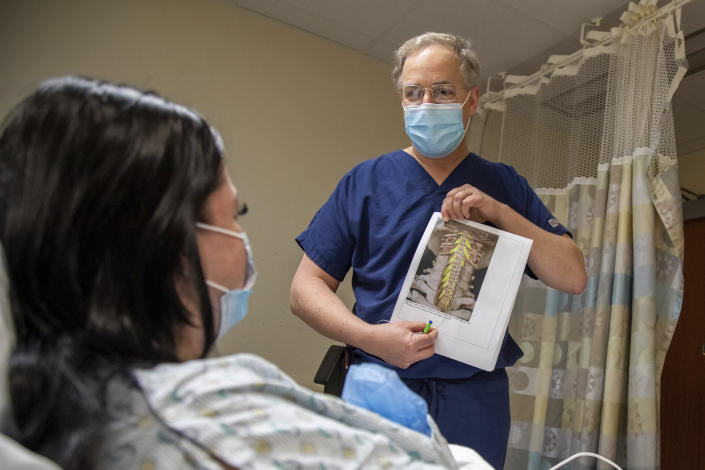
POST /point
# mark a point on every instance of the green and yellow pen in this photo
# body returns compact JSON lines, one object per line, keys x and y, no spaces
{"x":427,"y":327}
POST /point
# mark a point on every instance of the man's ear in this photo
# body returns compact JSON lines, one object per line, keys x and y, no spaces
{"x":473,"y":99}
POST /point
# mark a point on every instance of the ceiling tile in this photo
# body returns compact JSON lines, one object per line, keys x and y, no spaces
{"x":502,"y":37}
{"x":561,"y":15}
{"x":372,"y":17}
{"x":289,"y":13}
{"x":383,"y":50}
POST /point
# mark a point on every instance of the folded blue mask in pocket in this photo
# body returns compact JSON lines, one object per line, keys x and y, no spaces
{"x":380,"y":390}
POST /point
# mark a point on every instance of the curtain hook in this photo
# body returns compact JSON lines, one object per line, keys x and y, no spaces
{"x":596,"y":22}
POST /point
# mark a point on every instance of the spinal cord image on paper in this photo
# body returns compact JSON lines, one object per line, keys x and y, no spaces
{"x":452,"y":269}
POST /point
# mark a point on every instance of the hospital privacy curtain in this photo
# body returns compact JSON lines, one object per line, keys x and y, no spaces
{"x":594,"y":137}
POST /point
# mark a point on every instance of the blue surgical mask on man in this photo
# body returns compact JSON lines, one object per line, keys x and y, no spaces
{"x":233,"y":302}
{"x":435,"y":129}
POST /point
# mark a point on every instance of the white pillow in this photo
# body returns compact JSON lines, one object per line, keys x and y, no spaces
{"x":7,"y":342}
{"x":16,"y":457}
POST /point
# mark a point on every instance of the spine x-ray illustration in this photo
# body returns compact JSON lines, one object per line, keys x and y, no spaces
{"x":448,"y":285}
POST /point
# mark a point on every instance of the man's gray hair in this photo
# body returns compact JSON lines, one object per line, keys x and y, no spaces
{"x":467,"y":57}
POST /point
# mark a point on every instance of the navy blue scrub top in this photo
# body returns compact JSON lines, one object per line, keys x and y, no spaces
{"x":374,"y":220}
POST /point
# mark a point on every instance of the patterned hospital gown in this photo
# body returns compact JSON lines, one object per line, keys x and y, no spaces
{"x":245,"y":411}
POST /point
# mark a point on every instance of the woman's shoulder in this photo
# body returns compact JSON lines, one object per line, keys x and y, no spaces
{"x":135,"y":436}
{"x":150,"y":413}
{"x":227,"y":371}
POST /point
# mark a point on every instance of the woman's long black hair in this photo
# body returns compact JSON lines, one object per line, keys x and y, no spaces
{"x":100,"y":188}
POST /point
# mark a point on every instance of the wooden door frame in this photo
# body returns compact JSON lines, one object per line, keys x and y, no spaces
{"x":682,"y":413}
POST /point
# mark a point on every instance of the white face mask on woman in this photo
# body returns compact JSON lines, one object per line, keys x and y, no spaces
{"x":233,"y":302}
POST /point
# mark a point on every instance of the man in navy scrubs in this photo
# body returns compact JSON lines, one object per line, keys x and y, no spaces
{"x":375,"y":218}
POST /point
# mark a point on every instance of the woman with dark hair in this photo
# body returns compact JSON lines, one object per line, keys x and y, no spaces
{"x":126,"y":261}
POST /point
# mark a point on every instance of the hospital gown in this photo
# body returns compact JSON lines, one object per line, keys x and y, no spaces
{"x":245,"y":411}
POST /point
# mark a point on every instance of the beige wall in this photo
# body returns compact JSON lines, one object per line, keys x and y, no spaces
{"x":691,"y":168}
{"x":296,"y":112}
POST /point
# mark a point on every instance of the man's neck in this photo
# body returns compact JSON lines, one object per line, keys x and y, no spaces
{"x":440,"y":168}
